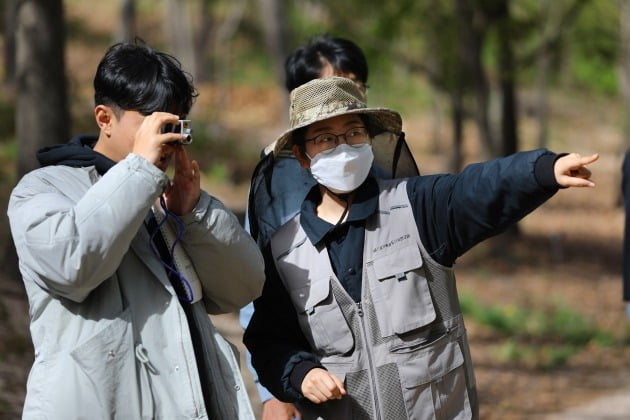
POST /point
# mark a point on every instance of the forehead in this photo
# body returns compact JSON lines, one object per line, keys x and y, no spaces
{"x":335,"y":123}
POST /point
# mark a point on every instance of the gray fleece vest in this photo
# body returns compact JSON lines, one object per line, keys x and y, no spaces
{"x":401,"y":352}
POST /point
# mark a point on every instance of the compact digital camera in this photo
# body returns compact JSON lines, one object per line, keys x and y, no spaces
{"x":183,"y":127}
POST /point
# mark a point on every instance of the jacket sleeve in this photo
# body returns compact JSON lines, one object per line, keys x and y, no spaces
{"x":68,"y":242}
{"x":227,"y":260}
{"x":455,"y":212}
{"x":276,"y":342}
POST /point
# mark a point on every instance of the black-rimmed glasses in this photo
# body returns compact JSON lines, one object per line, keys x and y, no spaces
{"x":326,"y":142}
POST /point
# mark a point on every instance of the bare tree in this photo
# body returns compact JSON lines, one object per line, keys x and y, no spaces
{"x":273,"y":18}
{"x":507,"y":79}
{"x":203,"y":37}
{"x":42,"y":111}
{"x":474,"y":28}
{"x":42,"y":108}
{"x":222,"y":49}
{"x":127,"y":24}
{"x":179,"y":33}
{"x":9,"y":27}
{"x":542,"y":69}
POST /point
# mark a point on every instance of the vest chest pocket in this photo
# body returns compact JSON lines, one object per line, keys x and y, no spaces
{"x":400,"y":293}
{"x":321,"y":319}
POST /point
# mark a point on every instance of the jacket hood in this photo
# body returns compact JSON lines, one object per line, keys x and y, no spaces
{"x":77,"y":153}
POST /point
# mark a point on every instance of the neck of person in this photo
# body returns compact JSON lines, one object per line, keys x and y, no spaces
{"x":334,"y":208}
{"x":102,"y":146}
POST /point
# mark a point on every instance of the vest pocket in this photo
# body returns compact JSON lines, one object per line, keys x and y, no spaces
{"x":399,"y":293}
{"x":434,"y":384}
{"x":321,"y":319}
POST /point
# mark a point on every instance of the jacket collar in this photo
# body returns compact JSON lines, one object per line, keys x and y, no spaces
{"x":364,"y":205}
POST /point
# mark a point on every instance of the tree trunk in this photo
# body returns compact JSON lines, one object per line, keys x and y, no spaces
{"x":221,"y":49}
{"x":42,"y":108}
{"x":202,"y":42}
{"x":10,"y":18}
{"x":274,"y":24}
{"x":542,"y":69}
{"x":507,"y":74}
{"x":42,"y":111}
{"x":179,"y":32}
{"x":436,"y":121}
{"x":472,"y":47}
{"x":127,"y":25}
{"x":457,"y":110}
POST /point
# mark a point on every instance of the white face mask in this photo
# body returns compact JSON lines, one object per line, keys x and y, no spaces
{"x":343,"y":169}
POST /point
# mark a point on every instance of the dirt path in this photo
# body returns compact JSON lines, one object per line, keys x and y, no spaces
{"x":610,"y":407}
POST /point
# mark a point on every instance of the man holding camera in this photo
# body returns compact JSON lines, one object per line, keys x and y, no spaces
{"x":122,"y":265}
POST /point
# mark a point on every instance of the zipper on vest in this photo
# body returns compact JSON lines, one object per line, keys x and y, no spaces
{"x":368,"y":351}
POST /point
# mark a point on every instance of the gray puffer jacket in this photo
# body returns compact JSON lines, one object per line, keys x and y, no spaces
{"x":111,"y":337}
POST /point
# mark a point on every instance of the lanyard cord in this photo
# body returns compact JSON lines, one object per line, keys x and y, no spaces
{"x":166,"y":255}
{"x":342,"y":197}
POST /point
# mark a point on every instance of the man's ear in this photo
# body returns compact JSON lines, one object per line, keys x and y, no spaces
{"x":104,"y":118}
{"x":305,"y":162}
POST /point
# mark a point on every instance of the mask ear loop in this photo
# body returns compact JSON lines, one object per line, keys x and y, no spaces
{"x":342,"y":197}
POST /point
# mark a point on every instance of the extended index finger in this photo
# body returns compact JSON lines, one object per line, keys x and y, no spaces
{"x":587,"y":160}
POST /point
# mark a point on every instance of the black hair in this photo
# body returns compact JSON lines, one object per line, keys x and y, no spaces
{"x":298,"y":138}
{"x":133,"y":76}
{"x":305,"y":63}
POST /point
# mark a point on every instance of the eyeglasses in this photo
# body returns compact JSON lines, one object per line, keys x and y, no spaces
{"x":326,"y":142}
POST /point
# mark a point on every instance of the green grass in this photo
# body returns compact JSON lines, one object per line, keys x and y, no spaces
{"x":544,"y":337}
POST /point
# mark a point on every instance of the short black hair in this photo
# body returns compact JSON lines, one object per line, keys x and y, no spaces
{"x":305,"y":63}
{"x":134,"y":76}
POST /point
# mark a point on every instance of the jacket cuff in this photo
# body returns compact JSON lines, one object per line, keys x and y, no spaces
{"x":299,"y":372}
{"x":200,"y":211}
{"x":543,"y":170}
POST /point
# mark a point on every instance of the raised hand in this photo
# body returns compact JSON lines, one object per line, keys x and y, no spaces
{"x":153,"y":145}
{"x":183,"y":193}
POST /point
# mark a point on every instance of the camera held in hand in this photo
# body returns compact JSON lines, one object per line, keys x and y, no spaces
{"x":183,"y":127}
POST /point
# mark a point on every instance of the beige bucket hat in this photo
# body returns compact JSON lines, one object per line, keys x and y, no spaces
{"x":321,"y":99}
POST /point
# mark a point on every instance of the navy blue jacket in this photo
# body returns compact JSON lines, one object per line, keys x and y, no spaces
{"x":453,"y":213}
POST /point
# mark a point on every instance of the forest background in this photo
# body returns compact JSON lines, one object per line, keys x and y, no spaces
{"x":473,"y":79}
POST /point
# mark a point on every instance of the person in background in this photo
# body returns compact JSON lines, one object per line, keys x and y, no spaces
{"x":321,"y":56}
{"x":324,"y":56}
{"x":359,"y":315}
{"x":122,"y":265}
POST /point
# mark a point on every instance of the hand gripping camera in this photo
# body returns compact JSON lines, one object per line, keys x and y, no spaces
{"x":183,"y":127}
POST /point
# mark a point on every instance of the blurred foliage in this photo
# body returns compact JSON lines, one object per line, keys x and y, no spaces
{"x":543,"y":337}
{"x":413,"y":48}
{"x":595,"y":46}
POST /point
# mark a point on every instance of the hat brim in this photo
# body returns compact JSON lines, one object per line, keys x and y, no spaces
{"x":381,"y":120}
